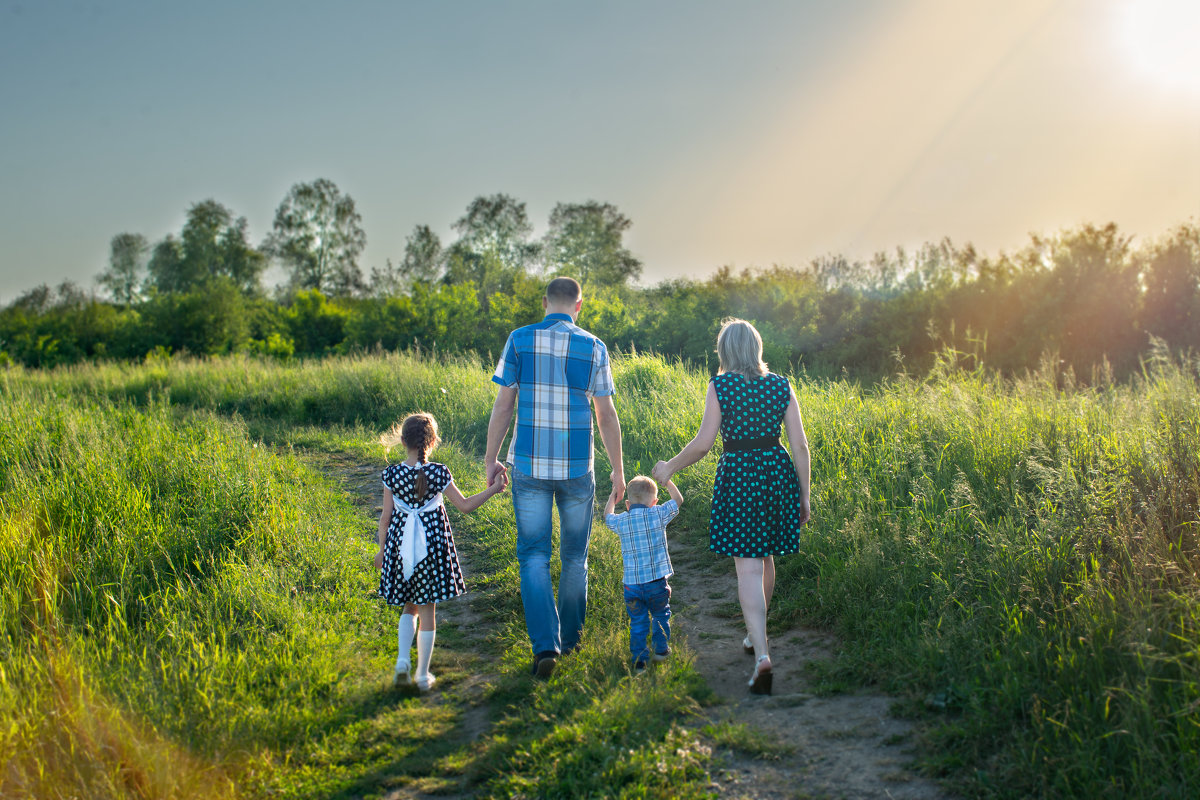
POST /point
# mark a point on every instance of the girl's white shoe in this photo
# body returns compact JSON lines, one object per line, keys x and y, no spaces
{"x":401,"y":676}
{"x":426,"y":682}
{"x":747,"y":647}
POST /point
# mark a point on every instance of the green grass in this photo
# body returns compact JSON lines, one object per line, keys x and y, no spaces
{"x":1015,"y":560}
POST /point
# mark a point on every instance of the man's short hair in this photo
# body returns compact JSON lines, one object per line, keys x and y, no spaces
{"x":642,"y":490}
{"x":561,"y":291}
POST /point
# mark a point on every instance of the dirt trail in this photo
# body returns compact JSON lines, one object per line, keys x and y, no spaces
{"x":845,"y":746}
{"x":466,"y":660}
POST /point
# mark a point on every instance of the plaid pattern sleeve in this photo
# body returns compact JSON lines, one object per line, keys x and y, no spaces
{"x":557,"y":367}
{"x":601,"y":382}
{"x":508,"y":368}
{"x":643,"y":535}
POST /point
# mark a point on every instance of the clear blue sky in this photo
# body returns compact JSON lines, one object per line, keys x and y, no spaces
{"x":746,"y":133}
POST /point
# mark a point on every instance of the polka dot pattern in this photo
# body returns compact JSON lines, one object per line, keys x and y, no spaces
{"x":438,"y":576}
{"x":756,"y":496}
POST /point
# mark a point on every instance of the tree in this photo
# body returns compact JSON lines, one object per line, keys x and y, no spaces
{"x":126,"y":260}
{"x":212,"y":245}
{"x":422,"y":256}
{"x":318,"y":235}
{"x":1171,"y":276}
{"x":492,"y":236}
{"x":584,"y":240}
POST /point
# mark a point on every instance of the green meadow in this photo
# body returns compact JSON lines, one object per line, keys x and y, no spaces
{"x":187,"y":609}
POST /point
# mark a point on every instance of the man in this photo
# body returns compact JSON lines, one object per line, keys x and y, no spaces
{"x":549,"y":372}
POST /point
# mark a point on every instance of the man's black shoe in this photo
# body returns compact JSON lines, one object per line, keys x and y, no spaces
{"x":544,"y":663}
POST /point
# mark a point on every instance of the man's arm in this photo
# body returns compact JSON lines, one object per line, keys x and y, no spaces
{"x":610,"y":434}
{"x":502,"y":412}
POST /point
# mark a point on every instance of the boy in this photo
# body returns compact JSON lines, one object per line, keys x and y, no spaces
{"x":643,"y":533}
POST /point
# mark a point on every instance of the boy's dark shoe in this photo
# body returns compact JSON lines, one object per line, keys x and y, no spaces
{"x":544,"y":663}
{"x":639,"y":666}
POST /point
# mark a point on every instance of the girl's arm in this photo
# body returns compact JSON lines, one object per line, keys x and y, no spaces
{"x":385,"y":517}
{"x":800,"y":455}
{"x":694,"y":450}
{"x":469,"y":504}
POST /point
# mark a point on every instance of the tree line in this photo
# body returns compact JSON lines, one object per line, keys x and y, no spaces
{"x":1086,"y":296}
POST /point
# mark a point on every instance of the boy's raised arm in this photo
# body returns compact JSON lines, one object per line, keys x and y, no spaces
{"x":610,"y":505}
{"x":676,"y":495}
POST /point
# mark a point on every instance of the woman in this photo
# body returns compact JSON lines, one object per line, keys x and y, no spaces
{"x":760,"y":498}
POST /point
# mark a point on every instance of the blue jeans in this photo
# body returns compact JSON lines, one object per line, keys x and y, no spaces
{"x":649,"y":607}
{"x":553,"y":628}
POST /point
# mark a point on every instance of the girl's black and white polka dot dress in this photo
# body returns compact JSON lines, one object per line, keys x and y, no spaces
{"x":438,"y":576}
{"x":756,"y":507}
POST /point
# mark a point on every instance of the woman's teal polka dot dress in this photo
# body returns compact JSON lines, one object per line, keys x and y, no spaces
{"x":756,"y":496}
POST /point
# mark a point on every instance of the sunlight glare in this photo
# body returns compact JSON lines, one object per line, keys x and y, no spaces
{"x":1162,"y":39}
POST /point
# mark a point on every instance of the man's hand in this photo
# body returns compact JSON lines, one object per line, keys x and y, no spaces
{"x":499,"y":481}
{"x":496,"y":471}
{"x":618,"y":485}
{"x":662,"y":473}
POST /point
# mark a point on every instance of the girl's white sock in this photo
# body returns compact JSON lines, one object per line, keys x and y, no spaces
{"x":424,"y":652}
{"x":404,"y":637}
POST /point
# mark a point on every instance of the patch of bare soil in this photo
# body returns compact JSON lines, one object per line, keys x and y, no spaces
{"x":844,"y":746}
{"x":805,"y":746}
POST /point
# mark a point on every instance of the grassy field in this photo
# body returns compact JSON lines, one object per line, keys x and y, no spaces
{"x":188,"y":610}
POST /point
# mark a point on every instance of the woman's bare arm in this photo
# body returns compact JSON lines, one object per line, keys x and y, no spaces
{"x":701,"y":443}
{"x":798,"y":442}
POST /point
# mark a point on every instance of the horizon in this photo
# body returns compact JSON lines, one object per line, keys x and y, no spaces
{"x":751,"y":135}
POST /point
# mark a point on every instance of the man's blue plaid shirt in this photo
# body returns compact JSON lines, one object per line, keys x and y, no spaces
{"x":557,"y":367}
{"x":643,"y":534}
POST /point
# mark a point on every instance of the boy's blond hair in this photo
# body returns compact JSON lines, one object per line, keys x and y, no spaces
{"x":642,"y":489}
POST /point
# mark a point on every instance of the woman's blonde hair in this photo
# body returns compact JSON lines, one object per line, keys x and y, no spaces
{"x":418,"y":432}
{"x":739,"y":348}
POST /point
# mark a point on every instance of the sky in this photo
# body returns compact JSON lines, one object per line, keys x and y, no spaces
{"x":744,"y":133}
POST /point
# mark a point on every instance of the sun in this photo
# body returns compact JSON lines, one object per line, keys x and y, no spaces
{"x":1162,"y":40}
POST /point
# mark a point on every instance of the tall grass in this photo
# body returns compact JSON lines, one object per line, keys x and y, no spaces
{"x":176,"y":595}
{"x":1017,"y":560}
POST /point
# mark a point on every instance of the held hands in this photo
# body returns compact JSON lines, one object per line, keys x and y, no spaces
{"x":495,"y":469}
{"x":661,"y":473}
{"x":498,"y":482}
{"x":618,"y":485}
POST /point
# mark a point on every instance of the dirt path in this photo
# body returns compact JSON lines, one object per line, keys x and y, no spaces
{"x":464,"y":676}
{"x":845,"y":746}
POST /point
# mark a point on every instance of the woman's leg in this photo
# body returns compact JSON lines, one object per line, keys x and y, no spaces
{"x":768,"y":579}
{"x":750,"y":575}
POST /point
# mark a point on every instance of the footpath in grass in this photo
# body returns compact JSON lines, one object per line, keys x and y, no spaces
{"x":1015,"y":561}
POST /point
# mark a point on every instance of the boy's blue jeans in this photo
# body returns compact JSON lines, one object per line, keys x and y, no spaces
{"x":553,"y":627}
{"x":649,"y":607}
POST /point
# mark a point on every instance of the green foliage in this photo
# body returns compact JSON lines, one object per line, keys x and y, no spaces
{"x":584,"y":242}
{"x":123,"y":278}
{"x":1016,"y":559}
{"x":212,"y":246}
{"x":318,"y":235}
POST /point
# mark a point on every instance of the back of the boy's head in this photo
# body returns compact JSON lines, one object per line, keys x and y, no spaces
{"x":641,"y":490}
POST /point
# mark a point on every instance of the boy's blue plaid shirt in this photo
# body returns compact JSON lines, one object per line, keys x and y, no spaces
{"x":643,"y":534}
{"x":556,"y":366}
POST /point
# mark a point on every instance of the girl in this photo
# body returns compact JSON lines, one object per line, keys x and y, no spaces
{"x":760,"y":498}
{"x":417,"y":560}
